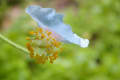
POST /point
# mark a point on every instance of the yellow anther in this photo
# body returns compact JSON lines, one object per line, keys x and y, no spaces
{"x":49,"y":33}
{"x":31,"y":32}
{"x":31,"y":54}
{"x":30,"y":49}
{"x":55,"y":55}
{"x":51,"y":59}
{"x":48,"y":39}
{"x":27,"y":38}
{"x":42,"y":36}
{"x":56,"y":44}
{"x":49,"y":51}
{"x":40,"y":30}
{"x":28,"y":46}
{"x":41,"y":59}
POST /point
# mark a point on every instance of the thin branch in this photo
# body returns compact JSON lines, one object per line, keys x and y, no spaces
{"x":13,"y":44}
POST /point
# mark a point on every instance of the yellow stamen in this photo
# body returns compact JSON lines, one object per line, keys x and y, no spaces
{"x":31,"y":54}
{"x":31,"y":32}
{"x":51,"y":59}
{"x":55,"y":55}
{"x":56,"y":44}
{"x":49,"y":51}
{"x":49,"y":33}
{"x":49,"y":47}
{"x":42,"y":36}
{"x":47,"y":39}
{"x":30,"y":49}
{"x":40,"y":30}
{"x":28,"y":46}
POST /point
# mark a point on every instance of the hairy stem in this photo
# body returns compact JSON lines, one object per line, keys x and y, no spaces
{"x":13,"y":44}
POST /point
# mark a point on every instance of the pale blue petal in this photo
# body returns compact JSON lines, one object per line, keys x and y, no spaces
{"x":47,"y":17}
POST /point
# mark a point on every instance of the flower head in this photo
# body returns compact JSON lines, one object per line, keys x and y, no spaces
{"x":43,"y":45}
{"x":51,"y":32}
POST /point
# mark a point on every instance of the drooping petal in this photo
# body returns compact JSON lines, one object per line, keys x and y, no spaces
{"x":48,"y":18}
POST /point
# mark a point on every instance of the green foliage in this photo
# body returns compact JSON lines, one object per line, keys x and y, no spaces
{"x":99,"y":19}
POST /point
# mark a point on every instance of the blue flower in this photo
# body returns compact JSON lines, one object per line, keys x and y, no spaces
{"x":47,"y":18}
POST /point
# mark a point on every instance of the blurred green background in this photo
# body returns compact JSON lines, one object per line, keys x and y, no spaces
{"x":97,"y":20}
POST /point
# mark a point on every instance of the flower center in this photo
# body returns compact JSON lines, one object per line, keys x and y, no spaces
{"x":43,"y":46}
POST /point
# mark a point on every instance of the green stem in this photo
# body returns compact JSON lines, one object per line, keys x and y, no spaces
{"x":13,"y":44}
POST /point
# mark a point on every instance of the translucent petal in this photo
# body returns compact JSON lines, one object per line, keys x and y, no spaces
{"x":48,"y":18}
